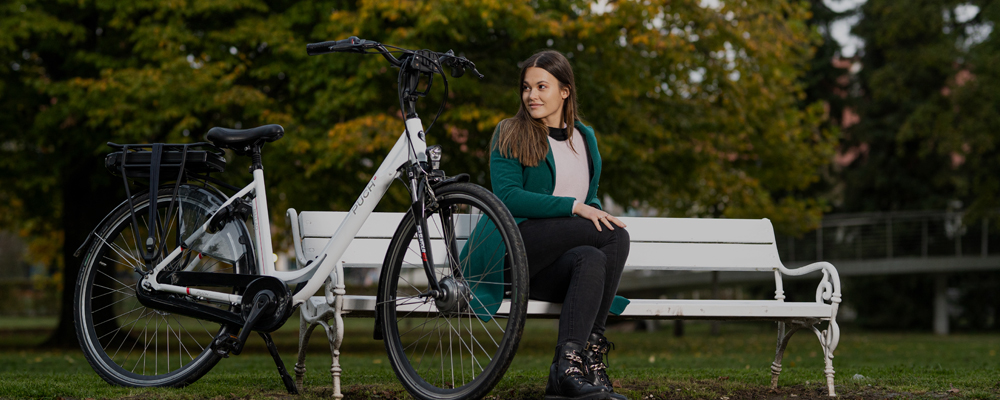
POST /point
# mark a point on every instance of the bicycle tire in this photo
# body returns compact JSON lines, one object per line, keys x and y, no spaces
{"x":105,"y":303}
{"x":417,"y":335}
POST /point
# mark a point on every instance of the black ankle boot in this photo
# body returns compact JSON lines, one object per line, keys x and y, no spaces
{"x":593,"y":358}
{"x":567,"y":377}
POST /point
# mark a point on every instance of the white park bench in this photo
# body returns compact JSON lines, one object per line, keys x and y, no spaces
{"x":678,"y":244}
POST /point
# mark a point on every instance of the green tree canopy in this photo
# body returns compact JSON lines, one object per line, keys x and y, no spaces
{"x":699,"y":110}
{"x":929,"y":107}
{"x":928,"y":101}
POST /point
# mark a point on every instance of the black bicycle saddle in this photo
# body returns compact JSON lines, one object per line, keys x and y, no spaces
{"x":243,"y":140}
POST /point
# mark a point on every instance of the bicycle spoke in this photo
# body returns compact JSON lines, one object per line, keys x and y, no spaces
{"x":130,"y":255}
{"x":423,"y":355}
{"x":129,"y":287}
{"x":115,"y":249}
{"x":113,"y":260}
{"x":145,"y":342}
{"x":209,"y":267}
{"x":421,"y":326}
{"x":127,"y":334}
{"x":119,"y":315}
{"x":112,"y":291}
{"x":180,"y":340}
{"x":130,"y":236}
{"x":112,"y":304}
{"x":410,"y":284}
{"x":156,"y":347}
{"x":206,"y":330}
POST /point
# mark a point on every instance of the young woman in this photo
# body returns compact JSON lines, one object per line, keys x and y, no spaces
{"x":545,"y":166}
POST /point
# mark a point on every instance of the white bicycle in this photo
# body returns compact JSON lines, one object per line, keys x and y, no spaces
{"x":173,"y":279}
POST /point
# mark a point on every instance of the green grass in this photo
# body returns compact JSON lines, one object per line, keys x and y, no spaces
{"x":21,"y":323}
{"x":656,"y":365}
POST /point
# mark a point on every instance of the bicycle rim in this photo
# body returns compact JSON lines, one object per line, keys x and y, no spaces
{"x":444,"y":350}
{"x":127,"y":343}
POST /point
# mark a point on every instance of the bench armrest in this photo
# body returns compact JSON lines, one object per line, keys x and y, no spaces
{"x":829,"y":286}
{"x":828,"y":290}
{"x":293,"y":219}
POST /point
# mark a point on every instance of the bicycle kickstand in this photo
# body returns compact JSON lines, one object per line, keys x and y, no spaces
{"x":263,"y":303}
{"x":287,"y":379}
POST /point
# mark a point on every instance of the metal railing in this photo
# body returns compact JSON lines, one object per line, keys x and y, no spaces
{"x":867,"y":236}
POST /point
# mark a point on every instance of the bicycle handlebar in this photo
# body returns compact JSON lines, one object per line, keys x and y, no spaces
{"x":351,"y":44}
{"x":355,"y":45}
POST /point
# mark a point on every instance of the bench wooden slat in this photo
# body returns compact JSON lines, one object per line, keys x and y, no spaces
{"x":675,"y":230}
{"x":707,"y":256}
{"x":654,"y":308}
{"x":642,"y":308}
{"x":370,"y":253}
{"x":325,"y":223}
{"x":378,"y":225}
{"x":699,"y":230}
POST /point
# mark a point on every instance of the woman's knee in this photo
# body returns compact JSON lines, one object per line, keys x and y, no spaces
{"x":589,"y":257}
{"x":622,"y":246}
{"x":621,"y":235}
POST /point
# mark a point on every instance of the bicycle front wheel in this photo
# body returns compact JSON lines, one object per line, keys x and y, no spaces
{"x":457,"y":345}
{"x":127,"y":343}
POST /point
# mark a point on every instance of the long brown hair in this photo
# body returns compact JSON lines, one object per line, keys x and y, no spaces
{"x":525,"y":138}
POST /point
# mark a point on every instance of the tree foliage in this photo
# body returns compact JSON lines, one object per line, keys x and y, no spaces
{"x":928,"y":107}
{"x":700,"y":111}
{"x":928,"y":100}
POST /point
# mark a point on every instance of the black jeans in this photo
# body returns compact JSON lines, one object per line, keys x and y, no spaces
{"x":571,"y":262}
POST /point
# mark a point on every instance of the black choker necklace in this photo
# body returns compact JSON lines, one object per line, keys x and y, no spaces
{"x":559,"y":134}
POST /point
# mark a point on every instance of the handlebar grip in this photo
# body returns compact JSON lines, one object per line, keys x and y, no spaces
{"x":350,"y":44}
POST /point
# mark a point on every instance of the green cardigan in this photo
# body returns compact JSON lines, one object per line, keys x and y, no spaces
{"x":527,"y":193}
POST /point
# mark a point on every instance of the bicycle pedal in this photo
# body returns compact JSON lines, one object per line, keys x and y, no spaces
{"x":225,"y":344}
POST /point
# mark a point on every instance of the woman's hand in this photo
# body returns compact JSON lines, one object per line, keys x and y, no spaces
{"x":597,"y":216}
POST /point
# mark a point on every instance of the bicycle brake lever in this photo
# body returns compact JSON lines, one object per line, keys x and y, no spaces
{"x":476,"y":71}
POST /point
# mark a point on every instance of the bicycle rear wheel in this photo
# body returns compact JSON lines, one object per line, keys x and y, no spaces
{"x":127,"y":343}
{"x":460,"y":346}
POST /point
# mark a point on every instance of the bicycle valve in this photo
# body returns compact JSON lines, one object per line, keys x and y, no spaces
{"x":434,"y":155}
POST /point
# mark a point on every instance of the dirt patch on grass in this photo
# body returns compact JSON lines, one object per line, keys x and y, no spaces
{"x":648,"y":390}
{"x":368,"y":392}
{"x":719,"y":389}
{"x":636,"y":390}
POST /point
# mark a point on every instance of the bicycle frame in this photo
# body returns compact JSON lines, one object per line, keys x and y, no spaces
{"x":409,"y":148}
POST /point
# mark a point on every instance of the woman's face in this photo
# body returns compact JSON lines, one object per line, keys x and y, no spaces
{"x":543,"y":96}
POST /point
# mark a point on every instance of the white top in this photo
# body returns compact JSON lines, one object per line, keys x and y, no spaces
{"x":572,"y":170}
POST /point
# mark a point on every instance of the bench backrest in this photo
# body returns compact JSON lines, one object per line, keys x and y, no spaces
{"x":657,"y":243}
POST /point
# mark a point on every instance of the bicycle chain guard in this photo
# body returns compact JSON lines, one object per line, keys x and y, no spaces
{"x":282,"y":303}
{"x":266,"y":305}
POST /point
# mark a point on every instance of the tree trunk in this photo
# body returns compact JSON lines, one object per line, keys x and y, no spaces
{"x":88,"y":194}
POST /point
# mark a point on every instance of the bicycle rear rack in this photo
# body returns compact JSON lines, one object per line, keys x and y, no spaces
{"x":150,"y":161}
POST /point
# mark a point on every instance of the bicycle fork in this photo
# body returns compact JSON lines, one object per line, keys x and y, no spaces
{"x":419,"y":210}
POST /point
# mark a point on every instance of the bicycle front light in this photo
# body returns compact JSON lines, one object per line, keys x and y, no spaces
{"x":434,"y":156}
